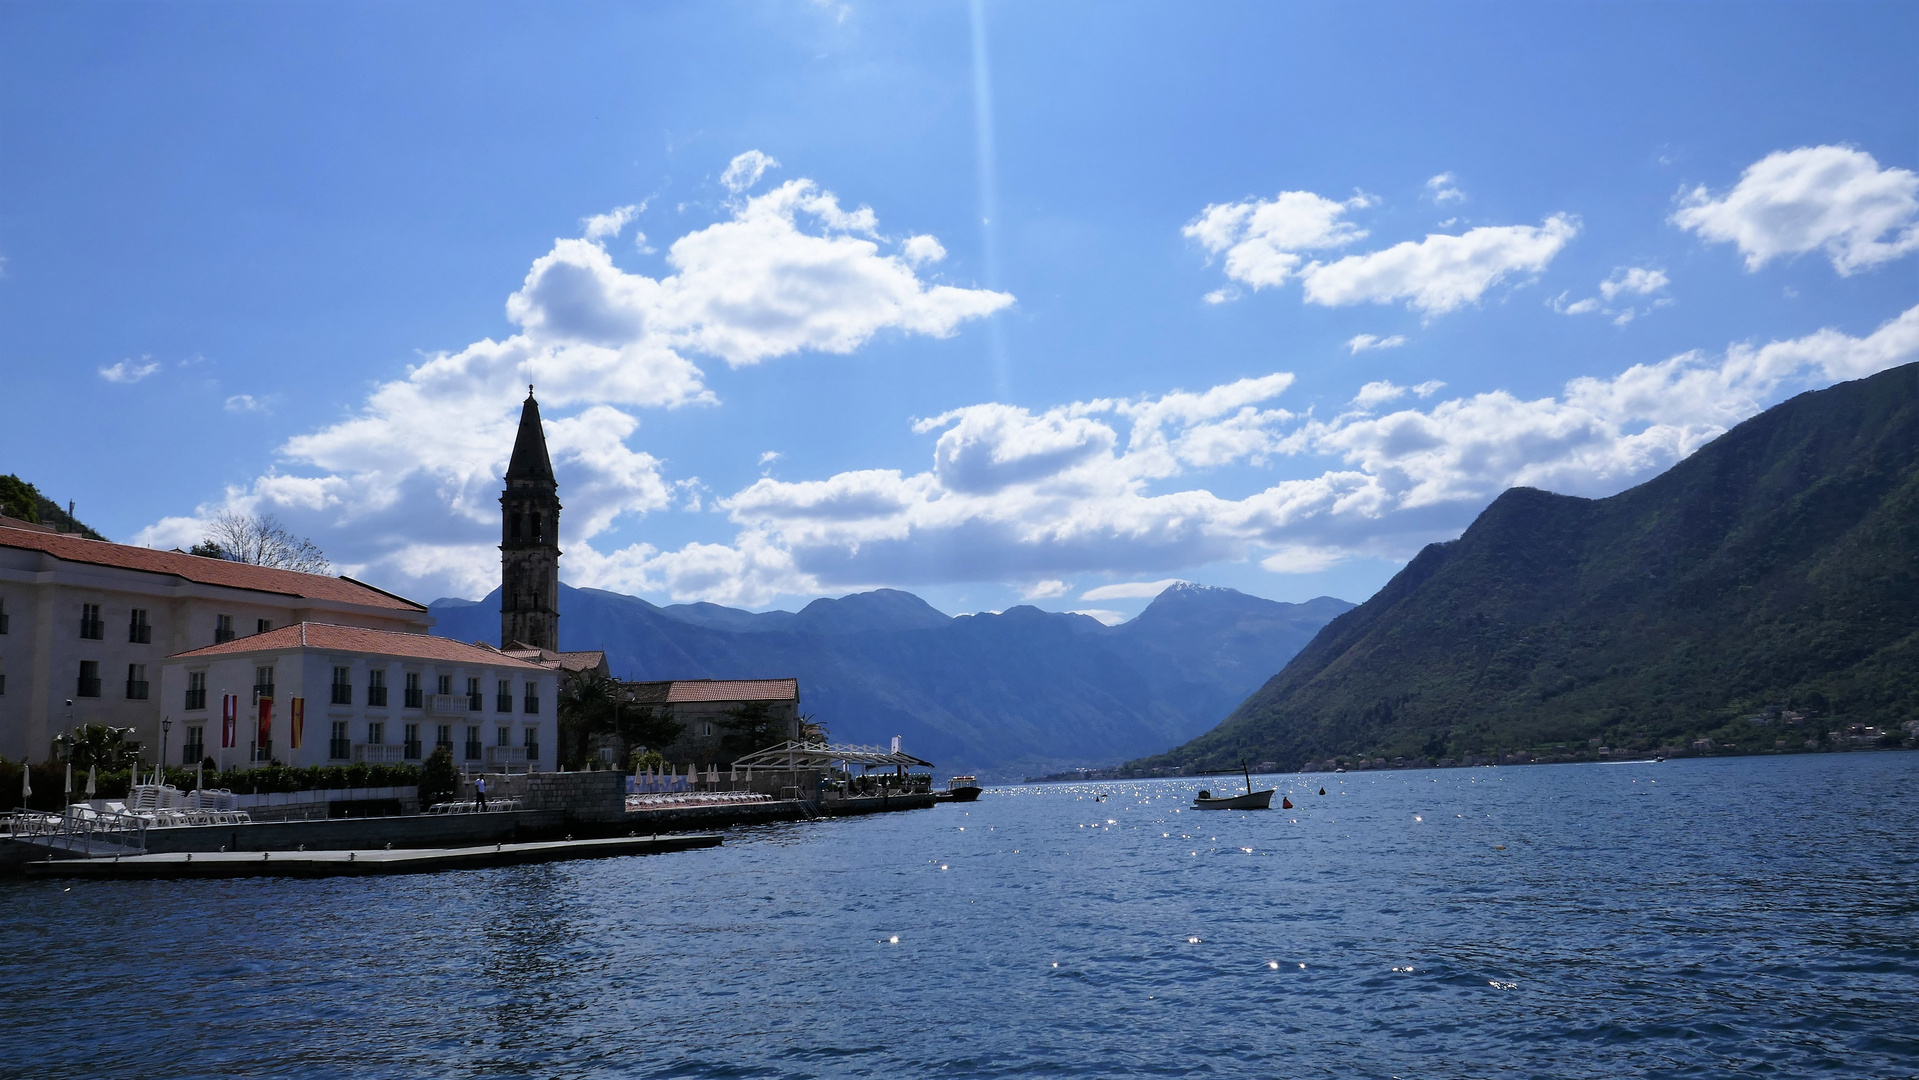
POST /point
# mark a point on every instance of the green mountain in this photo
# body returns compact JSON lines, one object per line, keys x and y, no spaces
{"x":19,"y":499}
{"x":1760,"y":593}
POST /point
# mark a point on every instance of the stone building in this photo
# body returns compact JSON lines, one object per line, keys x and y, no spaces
{"x":92,"y":622}
{"x":704,"y":705}
{"x":320,"y":694}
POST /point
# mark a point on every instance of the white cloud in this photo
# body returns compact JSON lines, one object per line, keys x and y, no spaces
{"x":1265,"y":242}
{"x":1444,"y":190}
{"x":1130,"y":590}
{"x":745,"y":170}
{"x":129,"y":371}
{"x":601,"y":226}
{"x":245,"y":403}
{"x":769,"y":457}
{"x":920,"y":250}
{"x":1018,"y":495}
{"x":1262,"y":238}
{"x":1440,"y":273}
{"x":1833,"y":199}
{"x":1044,"y":590}
{"x":407,"y":485}
{"x":1108,"y":618}
{"x":1360,"y":343}
{"x":1633,"y":280}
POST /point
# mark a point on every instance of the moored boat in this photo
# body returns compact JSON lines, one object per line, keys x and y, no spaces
{"x":963,"y":789}
{"x":1251,"y":800}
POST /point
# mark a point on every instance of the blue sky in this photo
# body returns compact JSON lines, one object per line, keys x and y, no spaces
{"x":995,"y":303}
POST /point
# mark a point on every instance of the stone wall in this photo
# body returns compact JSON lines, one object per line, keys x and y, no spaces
{"x":582,"y":796}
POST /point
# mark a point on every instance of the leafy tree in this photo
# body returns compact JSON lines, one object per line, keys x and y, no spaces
{"x":18,"y":499}
{"x":439,"y":777}
{"x":261,"y":540}
{"x":592,"y":704}
{"x":749,"y":728}
{"x":97,"y":745}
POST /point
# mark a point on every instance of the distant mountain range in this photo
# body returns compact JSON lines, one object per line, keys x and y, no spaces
{"x":1001,"y":695}
{"x":1759,"y":593}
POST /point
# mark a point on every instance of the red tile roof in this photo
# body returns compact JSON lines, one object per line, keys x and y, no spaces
{"x":203,"y":570}
{"x":584,"y":660}
{"x":687,"y":691}
{"x":357,"y":639}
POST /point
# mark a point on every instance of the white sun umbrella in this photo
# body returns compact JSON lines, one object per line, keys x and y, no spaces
{"x":90,"y":786}
{"x":26,"y":783}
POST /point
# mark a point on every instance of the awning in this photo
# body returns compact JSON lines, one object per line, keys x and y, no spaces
{"x":805,"y":755}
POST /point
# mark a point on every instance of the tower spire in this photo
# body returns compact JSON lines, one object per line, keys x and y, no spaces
{"x":530,"y":539}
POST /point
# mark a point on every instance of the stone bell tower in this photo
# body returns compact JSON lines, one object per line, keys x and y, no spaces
{"x":530,"y":540}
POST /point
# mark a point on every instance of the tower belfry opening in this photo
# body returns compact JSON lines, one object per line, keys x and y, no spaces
{"x":530,"y":539}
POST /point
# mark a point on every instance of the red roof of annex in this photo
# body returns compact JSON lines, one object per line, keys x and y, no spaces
{"x":203,"y":570}
{"x":359,"y":639}
{"x":686,"y":691}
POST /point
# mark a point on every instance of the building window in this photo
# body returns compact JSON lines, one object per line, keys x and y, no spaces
{"x":195,"y":750}
{"x":91,"y":627}
{"x":89,"y":679}
{"x":533,"y":697}
{"x":504,"y":736}
{"x":515,"y":518}
{"x":473,"y":702}
{"x":3,"y":614}
{"x":339,"y":747}
{"x":376,"y":732}
{"x":262,"y":683}
{"x":445,"y":686}
{"x":138,"y":630}
{"x":504,"y":699}
{"x":410,"y":743}
{"x":533,"y":744}
{"x":539,"y":536}
{"x":473,"y":743}
{"x":342,"y":686}
{"x":196,"y":690}
{"x":261,"y":626}
{"x":412,"y":690}
{"x":222,"y":629}
{"x":443,"y":736}
{"x":136,"y":682}
{"x":376,"y":690}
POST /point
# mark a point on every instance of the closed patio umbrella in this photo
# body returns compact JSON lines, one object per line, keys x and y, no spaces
{"x":90,"y":786}
{"x":26,"y":783}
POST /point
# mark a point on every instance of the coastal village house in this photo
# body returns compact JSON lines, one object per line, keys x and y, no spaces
{"x":93,"y":622}
{"x":318,"y":694}
{"x":704,"y":705}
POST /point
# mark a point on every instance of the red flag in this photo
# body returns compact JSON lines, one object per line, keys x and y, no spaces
{"x":229,"y":721}
{"x":296,"y":720}
{"x":266,"y":722}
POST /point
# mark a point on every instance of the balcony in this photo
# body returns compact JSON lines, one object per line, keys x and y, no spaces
{"x":504,"y":703}
{"x":197,"y":699}
{"x":377,"y":754}
{"x":473,"y":703}
{"x":446,"y":705}
{"x":140,"y":634}
{"x":410,"y":750}
{"x":532,"y":704}
{"x":136,"y":689}
{"x":87,"y":687}
{"x":223,"y":635}
{"x":342,"y":693}
{"x":93,"y":629}
{"x":506,"y":758}
{"x":473,"y":749}
{"x":376,"y":697}
{"x":339,"y":749}
{"x":412,"y":697}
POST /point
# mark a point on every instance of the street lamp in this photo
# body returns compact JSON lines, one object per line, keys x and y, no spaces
{"x":69,"y":731}
{"x":166,"y":725}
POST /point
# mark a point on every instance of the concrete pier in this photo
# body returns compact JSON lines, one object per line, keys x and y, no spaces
{"x":311,"y":864}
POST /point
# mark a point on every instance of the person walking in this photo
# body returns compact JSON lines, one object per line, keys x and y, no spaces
{"x":479,"y":793}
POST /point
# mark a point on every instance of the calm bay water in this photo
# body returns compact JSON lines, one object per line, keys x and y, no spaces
{"x":1690,"y":918}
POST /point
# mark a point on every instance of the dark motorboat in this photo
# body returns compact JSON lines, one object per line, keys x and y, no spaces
{"x":963,"y":789}
{"x":1252,"y":800}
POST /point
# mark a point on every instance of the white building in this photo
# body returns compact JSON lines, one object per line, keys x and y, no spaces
{"x":90,"y":622}
{"x":361,"y":695}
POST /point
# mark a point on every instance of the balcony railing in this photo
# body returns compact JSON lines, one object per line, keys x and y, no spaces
{"x":197,"y":699}
{"x":339,"y":749}
{"x":446,"y":704}
{"x":473,"y":703}
{"x":223,"y":635}
{"x":504,"y":703}
{"x":506,"y":758}
{"x":342,"y":693}
{"x":473,"y":749}
{"x":410,"y":750}
{"x":136,"y":689}
{"x":193,"y":753}
{"x":532,"y":750}
{"x":412,"y":697}
{"x":376,"y":697}
{"x":87,"y":687}
{"x":140,"y":633}
{"x":93,"y":629}
{"x":376,"y":754}
{"x":532,"y":704}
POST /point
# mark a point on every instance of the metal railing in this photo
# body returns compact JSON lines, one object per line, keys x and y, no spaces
{"x":342,"y":693}
{"x":376,"y":697}
{"x":87,"y":687}
{"x":136,"y":689}
{"x":197,"y":698}
{"x":504,"y":703}
{"x":93,"y":629}
{"x":412,"y":698}
{"x":81,"y":829}
{"x":140,"y":633}
{"x":193,"y":753}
